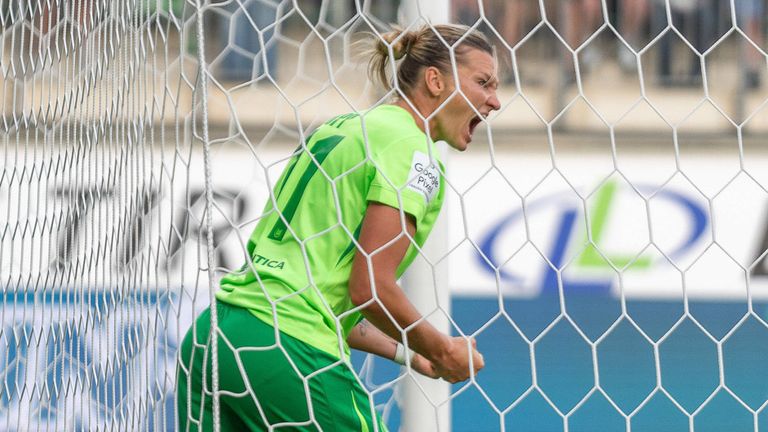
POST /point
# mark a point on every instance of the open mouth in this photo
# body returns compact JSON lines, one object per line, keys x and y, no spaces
{"x":473,"y":124}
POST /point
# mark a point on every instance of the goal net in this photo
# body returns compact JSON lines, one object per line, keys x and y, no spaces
{"x":603,"y":238}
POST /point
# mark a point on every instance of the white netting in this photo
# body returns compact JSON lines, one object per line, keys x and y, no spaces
{"x":98,"y":112}
{"x":604,"y":236}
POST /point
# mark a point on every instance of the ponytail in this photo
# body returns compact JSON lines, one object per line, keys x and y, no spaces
{"x":401,"y":42}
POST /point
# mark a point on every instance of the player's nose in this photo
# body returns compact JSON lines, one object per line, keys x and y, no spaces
{"x":493,"y":101}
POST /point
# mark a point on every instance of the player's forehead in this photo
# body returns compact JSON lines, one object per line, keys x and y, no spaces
{"x":476,"y":61}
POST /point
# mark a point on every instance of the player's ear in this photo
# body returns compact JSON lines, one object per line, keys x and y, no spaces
{"x":435,"y":81}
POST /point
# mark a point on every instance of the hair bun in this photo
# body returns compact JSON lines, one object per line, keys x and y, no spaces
{"x":401,"y":41}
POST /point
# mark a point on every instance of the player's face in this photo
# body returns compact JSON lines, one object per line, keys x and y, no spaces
{"x":457,"y":120}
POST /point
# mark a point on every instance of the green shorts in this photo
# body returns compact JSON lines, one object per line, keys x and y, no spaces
{"x":259,"y":387}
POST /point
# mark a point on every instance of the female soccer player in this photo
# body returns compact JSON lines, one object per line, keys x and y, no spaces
{"x":326,"y":255}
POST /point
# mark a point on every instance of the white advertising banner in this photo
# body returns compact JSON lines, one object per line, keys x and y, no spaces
{"x":698,"y":231}
{"x":515,"y":232}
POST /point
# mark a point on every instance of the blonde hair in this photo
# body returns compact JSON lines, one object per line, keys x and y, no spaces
{"x":419,"y":49}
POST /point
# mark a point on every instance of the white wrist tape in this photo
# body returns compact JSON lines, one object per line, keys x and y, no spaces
{"x":400,"y":354}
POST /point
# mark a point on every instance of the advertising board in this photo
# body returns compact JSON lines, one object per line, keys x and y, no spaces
{"x":101,"y":292}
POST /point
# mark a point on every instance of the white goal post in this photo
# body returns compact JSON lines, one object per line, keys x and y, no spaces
{"x":425,"y":402}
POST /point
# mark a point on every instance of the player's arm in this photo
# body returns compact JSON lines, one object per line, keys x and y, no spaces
{"x":373,"y":285}
{"x":366,"y":337}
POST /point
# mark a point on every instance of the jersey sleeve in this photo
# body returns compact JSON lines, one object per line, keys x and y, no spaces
{"x":404,"y":177}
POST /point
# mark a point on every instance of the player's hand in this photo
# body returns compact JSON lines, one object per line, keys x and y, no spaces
{"x":423,"y":366}
{"x":453,"y":364}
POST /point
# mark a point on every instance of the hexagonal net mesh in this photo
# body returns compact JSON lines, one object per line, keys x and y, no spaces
{"x":602,"y":239}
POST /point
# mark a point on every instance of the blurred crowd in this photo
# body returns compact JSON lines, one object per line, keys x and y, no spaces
{"x":697,"y":25}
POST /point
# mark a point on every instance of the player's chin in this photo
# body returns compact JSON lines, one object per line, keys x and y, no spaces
{"x":461,"y":143}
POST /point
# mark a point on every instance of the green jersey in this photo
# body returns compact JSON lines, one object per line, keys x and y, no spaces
{"x":302,"y":248}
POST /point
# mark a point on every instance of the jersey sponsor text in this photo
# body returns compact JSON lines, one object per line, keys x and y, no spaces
{"x":424,"y":176}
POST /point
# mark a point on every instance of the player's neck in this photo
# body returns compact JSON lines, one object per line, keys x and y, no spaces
{"x":419,"y":110}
